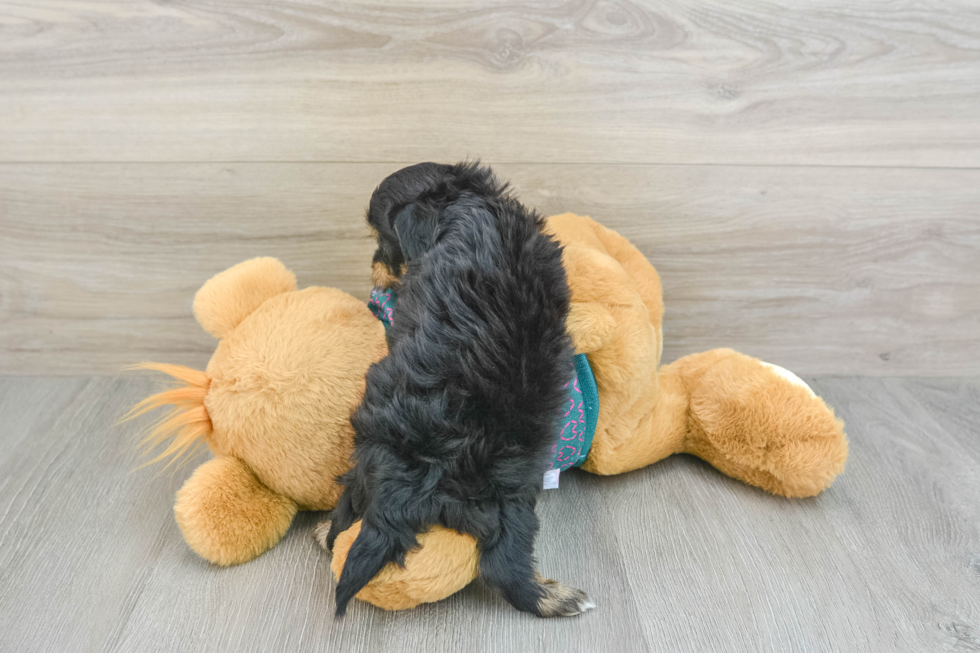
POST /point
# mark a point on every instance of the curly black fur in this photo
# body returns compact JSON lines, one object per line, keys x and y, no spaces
{"x":456,"y":422}
{"x":422,"y":192}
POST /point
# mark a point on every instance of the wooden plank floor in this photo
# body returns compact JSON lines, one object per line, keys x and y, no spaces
{"x":677,"y":556}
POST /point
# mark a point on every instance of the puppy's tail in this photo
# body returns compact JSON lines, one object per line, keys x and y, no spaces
{"x":371,"y":551}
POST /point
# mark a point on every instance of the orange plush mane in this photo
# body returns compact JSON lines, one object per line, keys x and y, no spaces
{"x":187,"y":425}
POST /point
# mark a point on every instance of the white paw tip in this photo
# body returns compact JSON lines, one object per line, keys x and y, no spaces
{"x":320,"y":533}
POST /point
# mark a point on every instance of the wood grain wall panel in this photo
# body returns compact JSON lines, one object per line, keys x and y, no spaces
{"x":555,"y":81}
{"x":821,"y":270}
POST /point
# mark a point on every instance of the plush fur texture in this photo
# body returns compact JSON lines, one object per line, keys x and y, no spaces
{"x":231,"y":296}
{"x":457,"y":420}
{"x":732,"y":410}
{"x":442,"y":557}
{"x":280,"y":389}
{"x":227,"y":515}
{"x":274,"y":406}
{"x":188,"y":425}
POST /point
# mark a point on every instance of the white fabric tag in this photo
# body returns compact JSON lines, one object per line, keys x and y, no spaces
{"x":551,"y":479}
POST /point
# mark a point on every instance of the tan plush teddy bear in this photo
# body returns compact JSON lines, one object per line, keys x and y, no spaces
{"x":273,"y":406}
{"x":274,"y":403}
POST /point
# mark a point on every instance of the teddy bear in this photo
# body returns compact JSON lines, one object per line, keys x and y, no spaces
{"x":273,"y":407}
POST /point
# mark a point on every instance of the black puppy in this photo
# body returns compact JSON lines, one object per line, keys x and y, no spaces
{"x":456,"y":422}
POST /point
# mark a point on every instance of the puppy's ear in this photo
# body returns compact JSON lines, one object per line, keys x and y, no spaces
{"x":417,"y":229}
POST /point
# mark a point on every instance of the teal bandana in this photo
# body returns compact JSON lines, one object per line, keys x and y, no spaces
{"x":576,"y":427}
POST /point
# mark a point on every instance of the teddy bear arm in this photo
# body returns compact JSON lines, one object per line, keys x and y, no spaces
{"x":639,"y":269}
{"x":584,"y":232}
{"x":227,"y":516}
{"x":445,"y":562}
{"x":590,"y":326}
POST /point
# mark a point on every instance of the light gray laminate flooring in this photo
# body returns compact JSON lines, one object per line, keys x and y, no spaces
{"x":677,"y":556}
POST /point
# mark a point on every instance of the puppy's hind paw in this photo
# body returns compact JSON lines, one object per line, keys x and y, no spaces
{"x":562,"y":601}
{"x":320,"y":534}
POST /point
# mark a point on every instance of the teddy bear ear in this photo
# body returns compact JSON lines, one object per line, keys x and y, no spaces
{"x":230,"y":296}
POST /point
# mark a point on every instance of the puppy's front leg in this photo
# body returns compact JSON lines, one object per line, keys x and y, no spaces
{"x":508,"y":565}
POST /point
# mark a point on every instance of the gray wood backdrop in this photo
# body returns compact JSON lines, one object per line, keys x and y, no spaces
{"x":804,"y":174}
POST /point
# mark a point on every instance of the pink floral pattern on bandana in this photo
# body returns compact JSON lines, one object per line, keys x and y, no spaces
{"x":567,"y":450}
{"x":382,"y":304}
